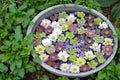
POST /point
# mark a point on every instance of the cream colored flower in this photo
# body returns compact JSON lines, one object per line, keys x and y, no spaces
{"x":63,"y":55}
{"x":55,"y":24}
{"x":89,"y":55}
{"x":43,"y":57}
{"x":45,"y":23}
{"x":61,"y":21}
{"x":46,"y":42}
{"x":57,"y":31}
{"x":103,"y":25}
{"x":108,"y":41}
{"x":95,"y":46}
{"x":64,"y":67}
{"x":52,"y":37}
{"x":74,"y":69}
{"x":71,"y":18}
{"x":40,"y":49}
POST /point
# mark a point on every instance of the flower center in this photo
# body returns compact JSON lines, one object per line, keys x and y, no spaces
{"x":90,"y":33}
{"x":106,"y":32}
{"x":107,"y":49}
{"x":90,"y":24}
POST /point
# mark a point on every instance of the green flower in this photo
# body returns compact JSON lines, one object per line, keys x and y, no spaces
{"x":74,"y":41}
{"x":80,"y":61}
{"x":81,"y":21}
{"x":61,"y":38}
{"x":72,"y":58}
{"x":98,"y":39}
{"x":65,"y":27}
{"x":63,"y":15}
{"x":40,"y":49}
{"x":69,"y":35}
{"x":81,"y":30}
{"x":72,"y":51}
{"x":98,"y":20}
{"x":100,"y":57}
{"x":80,"y":14}
{"x":39,"y":35}
{"x":92,"y":64}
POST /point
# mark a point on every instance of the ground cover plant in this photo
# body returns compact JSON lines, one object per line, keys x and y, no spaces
{"x":16,"y":61}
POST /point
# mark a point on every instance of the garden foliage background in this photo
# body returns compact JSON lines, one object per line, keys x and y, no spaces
{"x":16,"y":62}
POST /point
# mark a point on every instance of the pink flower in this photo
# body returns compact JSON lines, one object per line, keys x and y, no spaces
{"x":72,"y":27}
{"x":48,"y":30}
{"x":90,"y":33}
{"x":59,"y":47}
{"x":107,"y":50}
{"x":85,"y":68}
{"x":49,"y":62}
{"x":53,"y":57}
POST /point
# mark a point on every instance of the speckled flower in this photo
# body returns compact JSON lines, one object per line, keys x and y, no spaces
{"x":64,"y":67}
{"x":103,"y":25}
{"x":108,"y":41}
{"x":63,"y":55}
{"x":72,"y":27}
{"x":106,"y":32}
{"x":43,"y":57}
{"x":71,"y":18}
{"x":85,"y":68}
{"x":90,"y":33}
{"x":89,"y":55}
{"x":107,"y":50}
{"x":61,"y":21}
{"x":40,"y":49}
{"x":45,"y":23}
{"x":50,"y":49}
{"x":52,"y":37}
{"x":80,"y":61}
{"x":55,"y":24}
{"x":53,"y":56}
{"x":98,"y":39}
{"x":74,"y":69}
{"x":46,"y":42}
{"x":57,"y":31}
{"x":96,"y":47}
{"x":81,"y":30}
{"x":48,"y":30}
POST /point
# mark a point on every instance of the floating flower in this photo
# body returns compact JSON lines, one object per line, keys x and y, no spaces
{"x":84,"y":47}
{"x":54,"y":17}
{"x":64,"y":67}
{"x":108,"y":41}
{"x":80,"y":61}
{"x":74,"y":69}
{"x":63,"y":55}
{"x":69,"y":35}
{"x":72,"y":27}
{"x":90,"y":33}
{"x":91,"y":25}
{"x":84,"y":68}
{"x":61,"y":38}
{"x":52,"y":37}
{"x":96,"y":47}
{"x":48,"y":30}
{"x":37,"y":41}
{"x":81,"y":21}
{"x":53,"y":56}
{"x":103,"y":25}
{"x":39,"y":35}
{"x":72,"y":51}
{"x":63,"y":14}
{"x":71,"y":18}
{"x":98,"y":39}
{"x":106,"y":32}
{"x":55,"y":65}
{"x":46,"y":42}
{"x":89,"y":55}
{"x":50,"y":49}
{"x":74,"y":41}
{"x":81,"y":30}
{"x":98,"y":20}
{"x":80,"y":14}
{"x":43,"y":57}
{"x":80,"y":36}
{"x":100,"y":57}
{"x":59,"y":47}
{"x":40,"y":49}
{"x":45,"y":23}
{"x":89,"y":40}
{"x":49,"y":62}
{"x":64,"y":27}
{"x":72,"y":58}
{"x":92,"y":64}
{"x":57,"y":31}
{"x":90,"y":18}
{"x":107,"y":50}
{"x":61,"y":21}
{"x":55,"y":24}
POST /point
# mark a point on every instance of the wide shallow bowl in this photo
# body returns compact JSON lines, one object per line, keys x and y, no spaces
{"x":72,"y":8}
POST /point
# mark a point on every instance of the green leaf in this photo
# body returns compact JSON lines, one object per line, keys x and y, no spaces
{"x":115,"y":13}
{"x":12,"y":8}
{"x":101,"y":75}
{"x":21,"y":72}
{"x":0,"y":22}
{"x":77,"y":79}
{"x":30,"y":12}
{"x":37,"y":60}
{"x":18,"y":63}
{"x":106,"y":3}
{"x":44,"y":77}
{"x":12,"y":66}
{"x":63,"y":78}
{"x":3,"y":68}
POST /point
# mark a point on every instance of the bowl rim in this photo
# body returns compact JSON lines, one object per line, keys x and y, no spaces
{"x":81,"y":74}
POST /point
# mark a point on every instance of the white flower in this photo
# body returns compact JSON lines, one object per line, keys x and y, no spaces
{"x":74,"y":69}
{"x":43,"y":57}
{"x":103,"y":25}
{"x":89,"y":55}
{"x":95,"y":46}
{"x":52,"y":37}
{"x":64,"y":67}
{"x":63,"y":55}
{"x":57,"y":31}
{"x":61,"y":21}
{"x":55,"y":24}
{"x":46,"y":42}
{"x":45,"y":23}
{"x":108,"y":41}
{"x":71,"y":18}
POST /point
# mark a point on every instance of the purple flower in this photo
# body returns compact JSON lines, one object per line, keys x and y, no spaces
{"x":107,"y":32}
{"x":85,"y":47}
{"x":37,"y":41}
{"x":107,"y":50}
{"x":53,"y":56}
{"x":55,"y":65}
{"x":49,"y":62}
{"x":54,"y":17}
{"x":90,"y":33}
{"x":85,"y":68}
{"x":90,"y":18}
{"x":72,"y":27}
{"x":88,"y":40}
{"x":40,"y":28}
{"x":59,"y":47}
{"x":80,"y":36}
{"x":48,"y":30}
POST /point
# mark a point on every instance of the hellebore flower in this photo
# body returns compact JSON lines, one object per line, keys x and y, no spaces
{"x":89,"y":55}
{"x":50,"y":49}
{"x":39,"y":49}
{"x":106,"y":32}
{"x":46,"y":42}
{"x":92,"y":64}
{"x":55,"y":24}
{"x":53,"y":56}
{"x":90,"y":33}
{"x":49,"y":62}
{"x":96,"y":47}
{"x":98,"y":39}
{"x":108,"y":41}
{"x":45,"y":23}
{"x":74,"y":69}
{"x":107,"y":50}
{"x":72,"y":27}
{"x":61,"y":21}
{"x":59,"y":47}
{"x":54,"y":17}
{"x":103,"y":25}
{"x":71,"y":18}
{"x":64,"y":67}
{"x":80,"y":61}
{"x":48,"y":30}
{"x":57,"y":31}
{"x":63,"y":55}
{"x":85,"y":68}
{"x":81,"y":30}
{"x":43,"y":57}
{"x":52,"y":37}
